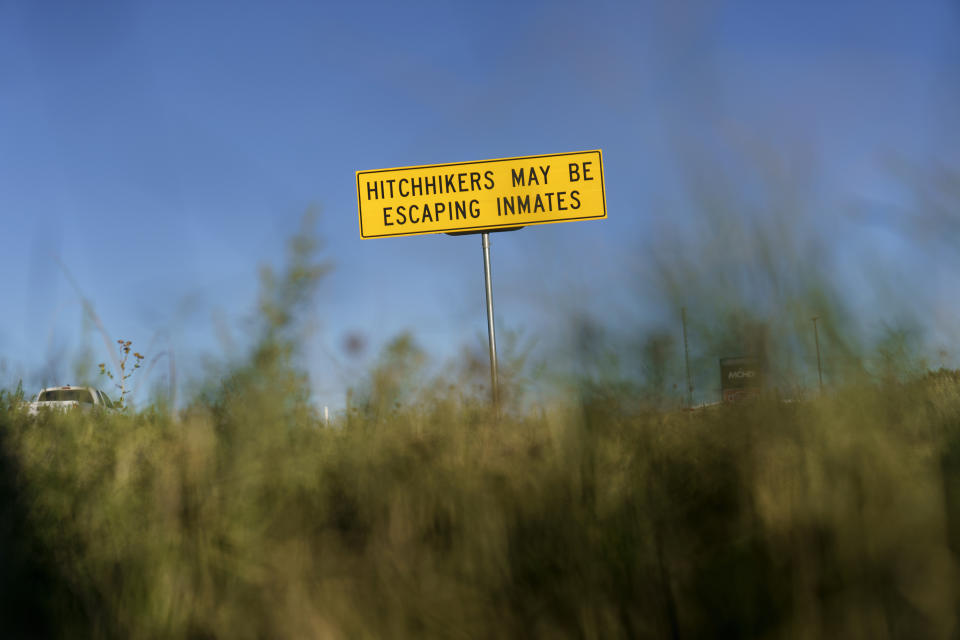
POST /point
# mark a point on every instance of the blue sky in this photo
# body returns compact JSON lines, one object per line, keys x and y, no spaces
{"x":163,"y":151}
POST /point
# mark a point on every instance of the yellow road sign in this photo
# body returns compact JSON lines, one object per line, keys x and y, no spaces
{"x":481,"y":195}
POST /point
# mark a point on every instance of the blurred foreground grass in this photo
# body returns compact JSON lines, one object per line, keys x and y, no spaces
{"x":603,"y":513}
{"x":247,"y":518}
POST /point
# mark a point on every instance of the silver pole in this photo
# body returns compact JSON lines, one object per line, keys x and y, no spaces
{"x":485,"y":238}
{"x":816,"y":338}
{"x":686,"y":353}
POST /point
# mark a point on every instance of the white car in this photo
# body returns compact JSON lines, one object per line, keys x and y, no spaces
{"x":64,"y":398}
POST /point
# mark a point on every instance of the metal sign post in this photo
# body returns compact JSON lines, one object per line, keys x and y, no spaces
{"x":491,"y":332}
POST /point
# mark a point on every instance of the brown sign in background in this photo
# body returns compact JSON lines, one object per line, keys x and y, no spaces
{"x":740,"y":378}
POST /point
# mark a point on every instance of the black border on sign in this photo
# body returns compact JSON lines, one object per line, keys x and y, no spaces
{"x":603,"y":195}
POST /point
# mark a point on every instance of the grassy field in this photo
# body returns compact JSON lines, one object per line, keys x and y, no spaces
{"x":247,"y":518}
{"x":419,"y":513}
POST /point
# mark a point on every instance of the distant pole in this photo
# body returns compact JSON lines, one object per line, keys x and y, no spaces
{"x":816,"y":339}
{"x":495,"y":392}
{"x":349,"y":413}
{"x":686,"y":353}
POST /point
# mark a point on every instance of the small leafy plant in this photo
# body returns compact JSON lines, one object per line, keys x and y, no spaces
{"x":120,"y":380}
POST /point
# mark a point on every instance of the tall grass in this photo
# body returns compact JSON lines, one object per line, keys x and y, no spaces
{"x":426,"y":515}
{"x":833,"y":518}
